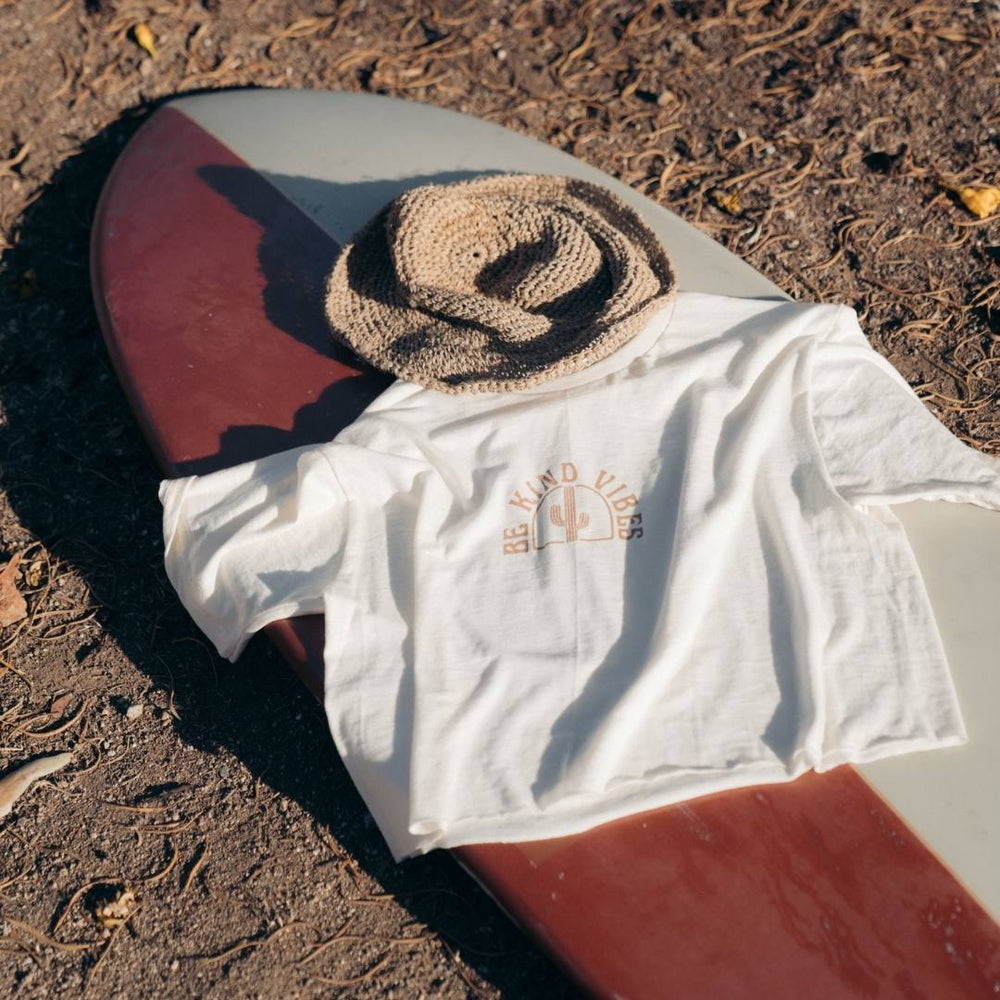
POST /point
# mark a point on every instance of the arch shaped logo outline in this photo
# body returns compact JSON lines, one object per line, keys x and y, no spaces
{"x":576,"y":511}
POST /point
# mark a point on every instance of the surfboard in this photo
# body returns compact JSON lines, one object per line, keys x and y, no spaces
{"x":210,"y":243}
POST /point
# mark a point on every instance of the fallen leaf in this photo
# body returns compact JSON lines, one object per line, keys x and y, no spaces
{"x":13,"y":785}
{"x":118,"y":910}
{"x":144,"y":37}
{"x":980,"y":201}
{"x":727,"y":202}
{"x":26,"y":286}
{"x":33,"y":574}
{"x":58,"y":704}
{"x":12,"y":606}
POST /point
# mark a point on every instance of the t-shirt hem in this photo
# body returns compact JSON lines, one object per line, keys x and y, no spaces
{"x":428,"y":835}
{"x":233,"y":649}
{"x":171,"y":493}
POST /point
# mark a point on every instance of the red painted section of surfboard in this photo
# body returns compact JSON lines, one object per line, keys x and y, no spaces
{"x":208,"y":285}
{"x":210,"y":294}
{"x":809,"y":889}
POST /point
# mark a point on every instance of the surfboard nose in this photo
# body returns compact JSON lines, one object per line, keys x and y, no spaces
{"x":197,"y":259}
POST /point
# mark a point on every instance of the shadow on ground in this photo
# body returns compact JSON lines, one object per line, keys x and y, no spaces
{"x":81,"y":479}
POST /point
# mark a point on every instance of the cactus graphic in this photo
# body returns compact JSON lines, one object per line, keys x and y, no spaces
{"x":570,"y":521}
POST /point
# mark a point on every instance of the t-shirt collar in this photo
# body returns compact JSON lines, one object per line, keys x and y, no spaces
{"x":635,"y":347}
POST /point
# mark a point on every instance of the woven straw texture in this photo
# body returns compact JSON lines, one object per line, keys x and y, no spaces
{"x":497,"y":283}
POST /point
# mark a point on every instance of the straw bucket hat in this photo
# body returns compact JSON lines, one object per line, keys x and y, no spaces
{"x":497,"y":283}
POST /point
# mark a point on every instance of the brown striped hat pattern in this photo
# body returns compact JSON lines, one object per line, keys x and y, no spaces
{"x":497,"y":283}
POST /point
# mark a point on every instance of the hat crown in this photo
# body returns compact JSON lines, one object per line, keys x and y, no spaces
{"x":512,"y":265}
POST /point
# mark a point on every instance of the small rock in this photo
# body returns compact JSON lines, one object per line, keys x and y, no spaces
{"x":146,"y":67}
{"x":133,"y":712}
{"x":666,"y":97}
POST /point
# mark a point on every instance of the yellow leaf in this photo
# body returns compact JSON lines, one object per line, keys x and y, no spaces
{"x":727,"y":202}
{"x":980,"y":201}
{"x":145,"y":38}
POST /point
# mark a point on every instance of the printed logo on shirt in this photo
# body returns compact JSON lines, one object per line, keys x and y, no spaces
{"x":563,"y":510}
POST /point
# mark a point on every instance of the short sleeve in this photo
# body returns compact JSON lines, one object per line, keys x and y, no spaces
{"x":254,"y":543}
{"x":879,"y":441}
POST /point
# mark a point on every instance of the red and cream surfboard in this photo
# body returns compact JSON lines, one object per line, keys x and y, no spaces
{"x":211,"y":240}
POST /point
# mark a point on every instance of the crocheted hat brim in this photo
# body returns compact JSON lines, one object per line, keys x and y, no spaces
{"x":497,"y":283}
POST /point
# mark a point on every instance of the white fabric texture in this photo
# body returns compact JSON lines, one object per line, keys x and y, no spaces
{"x":669,"y":574}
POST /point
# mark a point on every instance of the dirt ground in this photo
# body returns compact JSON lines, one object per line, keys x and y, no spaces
{"x":824,"y":142}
